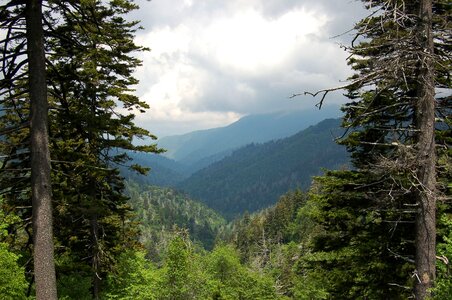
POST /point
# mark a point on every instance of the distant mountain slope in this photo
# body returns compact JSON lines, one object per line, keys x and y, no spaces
{"x":159,"y":209}
{"x":205,"y":146}
{"x":254,"y":176}
{"x":164,"y":171}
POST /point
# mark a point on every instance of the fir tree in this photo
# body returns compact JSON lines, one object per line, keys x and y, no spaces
{"x":89,"y":59}
{"x":399,"y":57}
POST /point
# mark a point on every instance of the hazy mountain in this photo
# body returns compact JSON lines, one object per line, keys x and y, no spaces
{"x":164,"y":171}
{"x":200,"y":148}
{"x":254,"y":176}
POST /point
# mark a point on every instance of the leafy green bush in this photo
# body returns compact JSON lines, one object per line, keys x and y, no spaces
{"x":12,"y":277}
{"x":134,"y":278}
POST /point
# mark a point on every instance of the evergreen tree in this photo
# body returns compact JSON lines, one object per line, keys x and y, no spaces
{"x":399,"y":56}
{"x":23,"y":23}
{"x":443,"y":286}
{"x":360,"y":246}
{"x":88,"y":46}
{"x":91,"y":78}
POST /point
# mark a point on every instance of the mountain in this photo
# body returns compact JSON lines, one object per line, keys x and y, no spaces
{"x":254,"y":176}
{"x":200,"y":148}
{"x":159,"y":209}
{"x":164,"y":171}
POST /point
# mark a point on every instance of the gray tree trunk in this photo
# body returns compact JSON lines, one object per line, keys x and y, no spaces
{"x":96,"y":281}
{"x":425,"y":258}
{"x":43,"y":248}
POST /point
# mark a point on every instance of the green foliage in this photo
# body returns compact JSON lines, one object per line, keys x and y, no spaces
{"x":74,"y":286}
{"x":443,"y":284}
{"x":187,"y":274}
{"x":12,"y":277}
{"x":159,"y":209}
{"x":181,"y":275}
{"x":311,"y":286}
{"x":356,"y":248}
{"x":271,"y":226}
{"x":13,"y":283}
{"x":134,"y":277}
{"x":90,"y":64}
{"x":231,"y":280}
{"x":91,"y":72}
{"x":269,"y":242}
{"x":179,"y":270}
{"x":365,"y":246}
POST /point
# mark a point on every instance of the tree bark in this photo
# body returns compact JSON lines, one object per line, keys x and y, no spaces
{"x":425,"y":193}
{"x":43,"y":248}
{"x":95,"y":264}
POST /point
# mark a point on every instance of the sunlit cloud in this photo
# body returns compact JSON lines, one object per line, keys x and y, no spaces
{"x":214,"y":61}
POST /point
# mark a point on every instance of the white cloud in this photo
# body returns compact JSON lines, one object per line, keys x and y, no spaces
{"x":248,"y":42}
{"x":214,"y":61}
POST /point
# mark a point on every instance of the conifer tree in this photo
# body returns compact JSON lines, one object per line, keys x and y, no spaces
{"x":89,"y":49}
{"x":22,"y":22}
{"x":92,"y":73}
{"x":399,"y":56}
{"x":43,"y":249}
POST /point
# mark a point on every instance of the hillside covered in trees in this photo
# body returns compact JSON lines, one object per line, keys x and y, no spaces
{"x":254,"y":176}
{"x":198,"y":149}
{"x":72,"y":227}
{"x":160,"y":211}
{"x":272,"y":168}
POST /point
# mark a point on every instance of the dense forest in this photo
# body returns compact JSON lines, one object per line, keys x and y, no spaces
{"x":159,"y":211}
{"x":188,"y":154}
{"x":272,"y":168}
{"x":377,"y":225}
{"x":253,"y":177}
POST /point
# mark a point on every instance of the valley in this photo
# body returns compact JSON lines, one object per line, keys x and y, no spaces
{"x":260,"y":187}
{"x":252,"y":176}
{"x":209,"y":202}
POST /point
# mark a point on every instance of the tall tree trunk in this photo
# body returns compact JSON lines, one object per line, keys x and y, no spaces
{"x":43,"y":249}
{"x":426,"y":174}
{"x":95,"y":264}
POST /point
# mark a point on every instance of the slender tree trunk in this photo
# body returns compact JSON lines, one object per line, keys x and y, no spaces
{"x":96,"y":257}
{"x":43,"y":248}
{"x":426,"y":174}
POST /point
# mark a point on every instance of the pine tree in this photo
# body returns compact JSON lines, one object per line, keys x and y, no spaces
{"x":88,"y":50}
{"x":91,"y":78}
{"x":360,"y":246}
{"x":92,"y":72}
{"x":42,"y":218}
{"x":22,"y":22}
{"x":399,"y":56}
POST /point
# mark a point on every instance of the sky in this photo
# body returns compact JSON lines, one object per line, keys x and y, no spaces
{"x":214,"y":61}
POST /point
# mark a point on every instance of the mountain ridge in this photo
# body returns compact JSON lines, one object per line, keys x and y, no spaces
{"x":194,"y":147}
{"x":254,"y":176}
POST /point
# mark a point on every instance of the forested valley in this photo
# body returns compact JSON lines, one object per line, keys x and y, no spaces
{"x":351,"y":208}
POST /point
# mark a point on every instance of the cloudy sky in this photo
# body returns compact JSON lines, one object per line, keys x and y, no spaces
{"x":214,"y":61}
